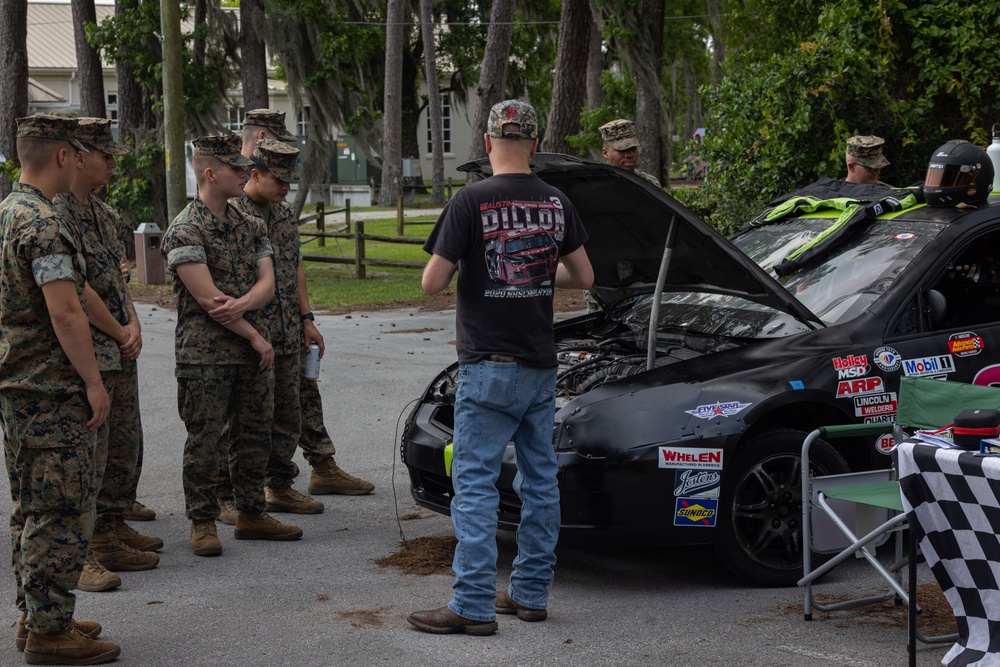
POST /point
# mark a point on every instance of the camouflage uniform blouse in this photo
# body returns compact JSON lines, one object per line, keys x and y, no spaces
{"x":35,"y":249}
{"x":230,"y":247}
{"x":97,"y":226}
{"x":282,"y":313}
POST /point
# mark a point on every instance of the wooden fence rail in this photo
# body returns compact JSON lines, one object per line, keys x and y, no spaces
{"x":360,"y":261}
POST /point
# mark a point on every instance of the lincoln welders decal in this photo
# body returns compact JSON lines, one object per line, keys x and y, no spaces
{"x":875,"y":404}
{"x":696,"y":512}
{"x":727,"y":409}
{"x":697,"y":483}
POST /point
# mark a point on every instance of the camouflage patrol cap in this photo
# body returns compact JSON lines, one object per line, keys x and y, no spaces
{"x":513,"y":112}
{"x":43,"y":126}
{"x":867,"y":151}
{"x":620,"y":134}
{"x":225,"y":147}
{"x":270,"y":119}
{"x":96,"y":133}
{"x":278,"y":158}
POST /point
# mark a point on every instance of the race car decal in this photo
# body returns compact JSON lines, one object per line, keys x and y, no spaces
{"x":881,"y":419}
{"x":688,"y":457}
{"x":727,"y":409}
{"x":859,"y":387}
{"x":965,"y":344}
{"x":905,"y":236}
{"x":797,"y":384}
{"x":851,"y":366}
{"x":696,"y":512}
{"x":929,"y":366}
{"x":884,"y":444}
{"x":988,"y":377}
{"x":875,"y":404}
{"x":697,"y":483}
{"x":888,"y":359}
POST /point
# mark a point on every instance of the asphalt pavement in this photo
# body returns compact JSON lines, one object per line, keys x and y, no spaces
{"x":323,"y":601}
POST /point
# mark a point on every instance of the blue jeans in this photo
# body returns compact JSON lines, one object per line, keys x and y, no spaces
{"x":497,"y":403}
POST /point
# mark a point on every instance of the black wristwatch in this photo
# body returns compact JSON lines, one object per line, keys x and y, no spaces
{"x":308,"y":316}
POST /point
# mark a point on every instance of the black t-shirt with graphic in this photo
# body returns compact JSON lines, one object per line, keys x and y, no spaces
{"x":506,"y":234}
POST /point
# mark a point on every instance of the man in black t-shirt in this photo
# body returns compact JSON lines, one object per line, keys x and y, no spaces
{"x":513,"y":239}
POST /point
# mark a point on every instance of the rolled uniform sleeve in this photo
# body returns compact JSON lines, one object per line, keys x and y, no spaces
{"x":189,"y":254}
{"x":52,"y":267}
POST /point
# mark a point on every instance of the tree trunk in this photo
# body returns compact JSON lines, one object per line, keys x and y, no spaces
{"x":492,"y":73}
{"x":718,"y":40}
{"x":648,"y":92}
{"x":88,"y":61}
{"x":14,"y":82}
{"x":433,"y":102}
{"x":253,"y":69}
{"x":392,"y":126}
{"x":199,"y":46}
{"x":569,"y":87}
{"x":595,"y":65}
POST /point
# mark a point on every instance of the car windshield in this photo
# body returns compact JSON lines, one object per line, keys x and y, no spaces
{"x":837,"y":288}
{"x":527,"y":243}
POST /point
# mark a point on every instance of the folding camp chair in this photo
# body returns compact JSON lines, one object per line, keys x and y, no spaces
{"x":869,"y":503}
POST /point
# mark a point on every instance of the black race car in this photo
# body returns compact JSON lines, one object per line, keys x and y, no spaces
{"x":690,"y":430}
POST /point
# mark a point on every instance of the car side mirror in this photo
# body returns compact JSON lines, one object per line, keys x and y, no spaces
{"x":935,"y":307}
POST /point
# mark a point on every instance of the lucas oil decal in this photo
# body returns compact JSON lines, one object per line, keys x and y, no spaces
{"x":689,"y":457}
{"x":851,"y":366}
{"x":727,"y":409}
{"x":965,"y":344}
{"x":928,"y":366}
{"x":700,"y":483}
{"x":872,"y":385}
{"x":696,"y":512}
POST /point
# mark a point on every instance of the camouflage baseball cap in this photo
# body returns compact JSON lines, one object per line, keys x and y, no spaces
{"x":867,"y":151}
{"x":513,"y":112}
{"x":42,"y":126}
{"x":278,"y":158}
{"x":270,"y":119}
{"x":225,"y":147}
{"x":96,"y":133}
{"x":620,"y":134}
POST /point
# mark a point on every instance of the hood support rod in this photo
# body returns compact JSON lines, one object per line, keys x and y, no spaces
{"x":661,"y":280}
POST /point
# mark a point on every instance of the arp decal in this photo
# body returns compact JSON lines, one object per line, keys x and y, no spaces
{"x":689,"y":457}
{"x":874,"y":405}
{"x":929,"y":366}
{"x":887,"y":359}
{"x":696,"y":512}
{"x":697,"y":483}
{"x":988,"y":377}
{"x":859,"y":387}
{"x":851,"y":366}
{"x":965,"y":344}
{"x":727,"y":409}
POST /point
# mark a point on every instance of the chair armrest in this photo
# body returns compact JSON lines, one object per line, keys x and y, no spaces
{"x":851,"y":430}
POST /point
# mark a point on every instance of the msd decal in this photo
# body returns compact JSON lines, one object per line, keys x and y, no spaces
{"x":965,"y":344}
{"x":727,"y":409}
{"x":851,"y":366}
{"x":860,"y":387}
{"x":929,"y":366}
{"x":697,"y":483}
{"x":696,"y":512}
{"x":685,"y":457}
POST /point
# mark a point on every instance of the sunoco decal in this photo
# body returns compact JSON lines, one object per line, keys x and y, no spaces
{"x":697,"y":483}
{"x":929,"y":366}
{"x":965,"y":344}
{"x":860,"y":387}
{"x":696,"y":512}
{"x":851,"y":366}
{"x":727,"y":409}
{"x":875,"y":405}
{"x":887,"y":359}
{"x":688,"y":457}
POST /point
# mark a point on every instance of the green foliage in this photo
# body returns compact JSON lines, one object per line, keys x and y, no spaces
{"x":780,"y":121}
{"x":129,"y":190}
{"x":10,"y":171}
{"x":619,"y":102}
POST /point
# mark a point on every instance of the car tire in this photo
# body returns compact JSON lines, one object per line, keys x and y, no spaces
{"x":760,"y":508}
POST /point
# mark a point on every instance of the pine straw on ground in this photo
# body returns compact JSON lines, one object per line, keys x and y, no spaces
{"x":422,"y":555}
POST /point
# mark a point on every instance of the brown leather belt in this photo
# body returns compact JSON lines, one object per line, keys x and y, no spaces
{"x":502,"y":358}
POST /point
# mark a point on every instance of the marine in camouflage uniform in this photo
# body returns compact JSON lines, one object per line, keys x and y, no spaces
{"x":866,"y":151}
{"x":45,"y":402}
{"x":621,"y":147}
{"x":219,"y":378}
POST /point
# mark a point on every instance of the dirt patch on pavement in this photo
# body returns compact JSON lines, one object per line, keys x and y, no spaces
{"x":364,"y":618}
{"x":422,"y":555}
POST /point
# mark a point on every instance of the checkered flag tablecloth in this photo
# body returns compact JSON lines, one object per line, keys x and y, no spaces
{"x":952,"y":502}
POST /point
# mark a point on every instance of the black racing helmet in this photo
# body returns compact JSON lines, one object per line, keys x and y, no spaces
{"x":959,"y":173}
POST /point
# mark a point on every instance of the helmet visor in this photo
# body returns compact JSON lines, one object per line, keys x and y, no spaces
{"x":941,"y":175}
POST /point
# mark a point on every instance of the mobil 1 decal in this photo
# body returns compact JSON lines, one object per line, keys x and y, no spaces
{"x":875,"y":405}
{"x":929,"y":366}
{"x":851,"y":366}
{"x":965,"y":344}
{"x":697,"y":483}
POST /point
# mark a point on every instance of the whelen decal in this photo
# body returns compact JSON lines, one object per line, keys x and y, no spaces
{"x":697,"y":483}
{"x":687,"y":457}
{"x":874,"y":405}
{"x":965,"y":344}
{"x":929,"y":366}
{"x":696,"y":512}
{"x":727,"y":409}
{"x":887,"y":359}
{"x":860,"y":387}
{"x":851,"y":366}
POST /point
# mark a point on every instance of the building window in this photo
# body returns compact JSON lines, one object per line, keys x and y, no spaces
{"x":235,"y":121}
{"x":303,"y":122}
{"x":112,"y":108}
{"x":445,"y":126}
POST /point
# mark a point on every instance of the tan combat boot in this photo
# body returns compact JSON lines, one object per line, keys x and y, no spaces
{"x":287,"y":499}
{"x":263,"y":526}
{"x":205,"y":539}
{"x":139,"y":512}
{"x":227,"y":511}
{"x":69,"y":647}
{"x":133,"y":538}
{"x":328,"y":478}
{"x":90,"y":628}
{"x":96,"y":578}
{"x":117,"y":557}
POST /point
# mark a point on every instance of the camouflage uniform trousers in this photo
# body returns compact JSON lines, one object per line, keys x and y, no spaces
{"x":281,"y":471}
{"x":209,"y":396}
{"x":314,"y":440}
{"x":52,"y":518}
{"x":123,"y":448}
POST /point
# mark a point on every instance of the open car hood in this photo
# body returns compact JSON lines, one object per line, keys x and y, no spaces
{"x":627,"y":219}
